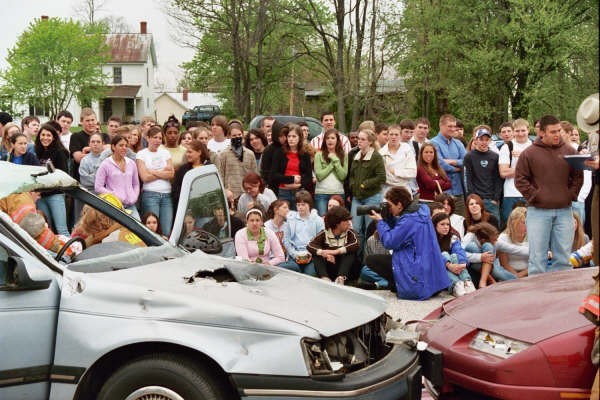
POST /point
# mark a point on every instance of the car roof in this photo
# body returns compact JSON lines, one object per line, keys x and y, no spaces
{"x":22,"y":178}
{"x":529,"y":309}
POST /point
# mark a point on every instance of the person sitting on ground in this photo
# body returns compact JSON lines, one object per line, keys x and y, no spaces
{"x":376,"y":255}
{"x":479,"y":246}
{"x":512,"y":247}
{"x":476,"y":212}
{"x":151,"y":221}
{"x":277,"y":214}
{"x":457,"y":221}
{"x":257,"y":244}
{"x":302,"y":226}
{"x":333,"y":249}
{"x":454,"y":255}
{"x":417,"y":264}
{"x":255,"y":193}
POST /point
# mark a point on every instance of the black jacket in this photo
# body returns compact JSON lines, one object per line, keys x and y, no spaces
{"x":279,"y":165}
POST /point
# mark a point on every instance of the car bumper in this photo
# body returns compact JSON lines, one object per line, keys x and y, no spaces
{"x":396,"y":376}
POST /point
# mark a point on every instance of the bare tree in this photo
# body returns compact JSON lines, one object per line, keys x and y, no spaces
{"x":88,"y":10}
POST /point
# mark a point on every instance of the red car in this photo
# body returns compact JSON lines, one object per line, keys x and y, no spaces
{"x":521,"y":339}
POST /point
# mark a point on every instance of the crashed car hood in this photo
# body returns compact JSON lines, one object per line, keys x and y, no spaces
{"x":18,"y":179}
{"x":530,"y":309}
{"x":162,"y":291}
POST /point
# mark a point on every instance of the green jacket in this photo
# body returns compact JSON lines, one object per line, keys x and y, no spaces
{"x":367,"y":176}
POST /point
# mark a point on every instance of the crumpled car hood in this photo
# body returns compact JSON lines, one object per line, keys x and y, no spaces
{"x":263,"y":298}
{"x":18,"y":179}
{"x":531,"y":309}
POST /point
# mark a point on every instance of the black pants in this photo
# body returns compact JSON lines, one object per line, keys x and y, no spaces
{"x":382,"y":265}
{"x":343,"y":265}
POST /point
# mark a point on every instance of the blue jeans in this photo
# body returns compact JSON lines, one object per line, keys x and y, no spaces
{"x":549,"y":229}
{"x":508,"y":204}
{"x":498,"y":271}
{"x":321,"y":201}
{"x":579,"y":208}
{"x":368,"y":275}
{"x":308,"y":269}
{"x":134,"y":212}
{"x":161,"y":205}
{"x":492,"y":208}
{"x":361,"y":222}
{"x":56,"y":211}
{"x":289,"y":195}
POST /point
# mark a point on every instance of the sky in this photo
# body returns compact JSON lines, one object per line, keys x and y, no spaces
{"x":18,"y":14}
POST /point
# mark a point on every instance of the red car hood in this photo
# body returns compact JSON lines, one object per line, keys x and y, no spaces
{"x":530,"y":309}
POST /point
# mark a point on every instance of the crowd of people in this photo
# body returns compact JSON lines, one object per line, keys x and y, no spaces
{"x":385,"y":206}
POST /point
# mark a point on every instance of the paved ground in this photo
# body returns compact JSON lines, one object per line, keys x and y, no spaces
{"x":407,"y":310}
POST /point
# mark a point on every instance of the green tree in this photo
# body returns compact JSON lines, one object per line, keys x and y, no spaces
{"x":55,"y":61}
{"x":488,"y":60}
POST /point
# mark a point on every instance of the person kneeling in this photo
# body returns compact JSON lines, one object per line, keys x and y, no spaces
{"x":334,"y":249}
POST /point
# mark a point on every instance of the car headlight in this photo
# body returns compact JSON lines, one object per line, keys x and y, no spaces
{"x":497,"y":345}
{"x":348,"y":351}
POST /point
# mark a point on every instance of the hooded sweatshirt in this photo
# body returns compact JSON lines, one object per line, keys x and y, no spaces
{"x":544,"y":178}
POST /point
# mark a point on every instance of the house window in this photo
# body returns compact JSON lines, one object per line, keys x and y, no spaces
{"x":117,"y":75}
{"x":129,"y":107}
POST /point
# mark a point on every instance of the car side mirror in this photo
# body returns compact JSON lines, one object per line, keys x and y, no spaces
{"x":17,"y":277}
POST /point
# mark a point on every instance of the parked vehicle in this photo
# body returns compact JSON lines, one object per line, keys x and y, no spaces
{"x":314,"y":125}
{"x":200,"y":113}
{"x":122,"y":322}
{"x":520,"y":339}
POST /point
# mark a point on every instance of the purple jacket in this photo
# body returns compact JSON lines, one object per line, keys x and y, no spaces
{"x":124,"y":185}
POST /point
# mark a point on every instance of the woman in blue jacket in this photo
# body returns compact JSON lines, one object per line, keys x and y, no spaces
{"x":418,"y":267}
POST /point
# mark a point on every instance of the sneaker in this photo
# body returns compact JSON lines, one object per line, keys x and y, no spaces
{"x":340,"y":280}
{"x":459,"y":289}
{"x":469,"y":287}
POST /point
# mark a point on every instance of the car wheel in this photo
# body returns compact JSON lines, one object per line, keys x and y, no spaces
{"x":161,"y":377}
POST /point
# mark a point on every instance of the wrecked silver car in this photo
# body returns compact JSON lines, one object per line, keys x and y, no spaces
{"x":118,"y":321}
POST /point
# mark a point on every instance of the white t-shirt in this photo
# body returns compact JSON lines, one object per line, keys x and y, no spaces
{"x":155,"y":160}
{"x":509,"y":184}
{"x":217,"y":147}
{"x":518,"y":253}
{"x":66,"y":140}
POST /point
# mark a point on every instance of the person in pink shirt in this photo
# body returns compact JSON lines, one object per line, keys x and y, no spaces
{"x":118,"y":175}
{"x":256,"y":243}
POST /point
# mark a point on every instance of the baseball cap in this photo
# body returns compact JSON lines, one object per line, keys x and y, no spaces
{"x":482,"y":132}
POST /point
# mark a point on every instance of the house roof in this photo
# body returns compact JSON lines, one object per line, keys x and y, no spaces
{"x":194,"y":99}
{"x":123,"y":92}
{"x":130,"y":47}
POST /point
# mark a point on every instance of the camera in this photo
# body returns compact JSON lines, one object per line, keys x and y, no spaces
{"x":383,"y":209}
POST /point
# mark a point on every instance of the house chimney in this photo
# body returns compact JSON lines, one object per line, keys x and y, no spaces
{"x":143,"y":27}
{"x":44,"y":18}
{"x":185,"y":94}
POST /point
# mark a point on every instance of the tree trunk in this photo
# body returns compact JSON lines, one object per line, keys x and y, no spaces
{"x":339,"y":67}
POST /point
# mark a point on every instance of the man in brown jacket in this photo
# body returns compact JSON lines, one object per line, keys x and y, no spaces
{"x":549,"y":185}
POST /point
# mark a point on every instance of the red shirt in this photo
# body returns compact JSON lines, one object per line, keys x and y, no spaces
{"x":293,"y":165}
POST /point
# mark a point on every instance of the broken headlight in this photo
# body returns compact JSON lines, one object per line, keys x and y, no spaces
{"x":348,"y":351}
{"x":497,"y":345}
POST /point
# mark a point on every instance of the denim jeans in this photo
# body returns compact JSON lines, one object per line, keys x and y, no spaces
{"x":549,"y":229}
{"x":368,"y":275}
{"x":492,"y":208}
{"x":361,"y":222}
{"x":56,"y":211}
{"x":508,"y":204}
{"x":498,"y":271}
{"x":289,"y":195}
{"x":161,"y":205}
{"x":579,"y":208}
{"x":321,"y":201}
{"x":134,"y":212}
{"x":308,"y":269}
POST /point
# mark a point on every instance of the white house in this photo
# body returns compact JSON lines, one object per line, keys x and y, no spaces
{"x":130,"y":72}
{"x":176,"y":103}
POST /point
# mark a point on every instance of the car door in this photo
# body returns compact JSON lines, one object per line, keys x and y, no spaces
{"x":29,"y":298}
{"x":203,"y":208}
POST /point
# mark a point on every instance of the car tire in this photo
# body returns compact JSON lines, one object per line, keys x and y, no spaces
{"x":162,"y":377}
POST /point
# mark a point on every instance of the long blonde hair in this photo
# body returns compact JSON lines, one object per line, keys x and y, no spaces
{"x":516,"y":215}
{"x":580,"y":239}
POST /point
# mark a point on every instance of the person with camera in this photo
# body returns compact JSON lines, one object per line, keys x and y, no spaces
{"x":405,"y":227}
{"x":334,"y":248}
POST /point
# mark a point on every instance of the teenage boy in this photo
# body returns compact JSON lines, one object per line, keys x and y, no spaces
{"x":481,"y":171}
{"x":507,"y":162}
{"x":398,"y":157}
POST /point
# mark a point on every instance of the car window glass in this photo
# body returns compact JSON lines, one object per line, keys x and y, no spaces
{"x":206,"y":208}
